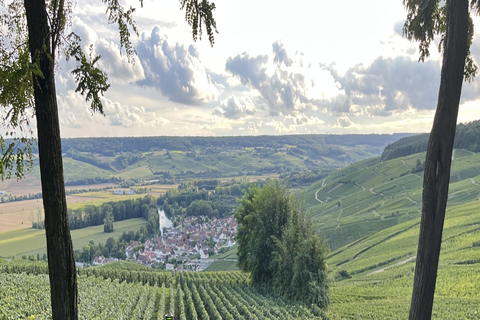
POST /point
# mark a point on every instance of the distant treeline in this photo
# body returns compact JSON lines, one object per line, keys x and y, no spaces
{"x":467,"y":137}
{"x":317,"y":143}
{"x":87,"y":158}
{"x":190,"y":200}
{"x":92,"y":215}
{"x":306,"y":177}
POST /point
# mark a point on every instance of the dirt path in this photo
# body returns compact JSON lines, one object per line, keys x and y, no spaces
{"x":316,"y":193}
{"x":411,"y":200}
{"x":396,"y":264}
{"x":406,"y":165}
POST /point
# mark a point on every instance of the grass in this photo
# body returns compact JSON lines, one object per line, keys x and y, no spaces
{"x":102,"y":197}
{"x":32,"y":241}
{"x":222,"y":265}
{"x":78,"y":170}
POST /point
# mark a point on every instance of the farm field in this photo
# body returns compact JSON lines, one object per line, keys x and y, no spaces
{"x":32,"y":241}
{"x":380,"y":268}
{"x":20,"y":214}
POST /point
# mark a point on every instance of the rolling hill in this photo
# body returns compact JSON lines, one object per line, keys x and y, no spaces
{"x":372,"y":195}
{"x":381,"y":269}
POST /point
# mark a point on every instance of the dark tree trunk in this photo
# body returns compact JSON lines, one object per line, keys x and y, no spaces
{"x":61,"y":258}
{"x":438,"y":160}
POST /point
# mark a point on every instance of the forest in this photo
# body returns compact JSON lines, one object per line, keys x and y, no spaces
{"x":467,"y":136}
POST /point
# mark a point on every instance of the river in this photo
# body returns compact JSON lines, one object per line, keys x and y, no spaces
{"x":163,"y":221}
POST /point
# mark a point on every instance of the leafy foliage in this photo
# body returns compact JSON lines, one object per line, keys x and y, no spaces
{"x":300,"y":272}
{"x":17,"y":67}
{"x":467,"y":136}
{"x":279,"y":247}
{"x":427,"y":19}
{"x":195,"y":13}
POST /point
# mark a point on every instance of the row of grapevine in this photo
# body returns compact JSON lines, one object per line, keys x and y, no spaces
{"x":23,"y":295}
{"x":105,"y":294}
{"x":161,"y":303}
{"x":143,"y":277}
{"x":22,"y":266}
{"x":189,"y":304}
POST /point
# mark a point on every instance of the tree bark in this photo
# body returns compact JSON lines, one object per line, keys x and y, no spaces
{"x":438,"y":160}
{"x":61,"y":257}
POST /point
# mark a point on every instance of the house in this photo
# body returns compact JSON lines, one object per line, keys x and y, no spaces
{"x":204,"y":254}
{"x":124,"y":192}
{"x":169,"y":266}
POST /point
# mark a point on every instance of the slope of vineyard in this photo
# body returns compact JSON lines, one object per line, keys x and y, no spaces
{"x":372,"y":195}
{"x":381,"y":268}
{"x":148,"y":295}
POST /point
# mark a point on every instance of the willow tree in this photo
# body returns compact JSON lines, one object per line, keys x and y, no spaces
{"x":450,"y":20}
{"x":33,"y":35}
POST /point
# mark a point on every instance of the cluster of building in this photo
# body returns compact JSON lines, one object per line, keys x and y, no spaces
{"x":188,"y":242}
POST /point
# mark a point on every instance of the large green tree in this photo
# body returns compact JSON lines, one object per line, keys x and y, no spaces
{"x":300,"y":271}
{"x":261,"y":217}
{"x":278,"y":245}
{"x":450,"y":20}
{"x":33,"y":35}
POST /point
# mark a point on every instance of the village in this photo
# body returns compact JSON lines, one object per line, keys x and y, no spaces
{"x":189,"y":246}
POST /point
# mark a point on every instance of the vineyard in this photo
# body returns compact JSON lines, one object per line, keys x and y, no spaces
{"x":123,"y":294}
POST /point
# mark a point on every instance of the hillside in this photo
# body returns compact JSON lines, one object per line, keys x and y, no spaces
{"x":372,"y":195}
{"x":381,"y":269}
{"x":467,"y":136}
{"x":213,"y":157}
{"x":376,"y":283}
{"x":89,"y":161}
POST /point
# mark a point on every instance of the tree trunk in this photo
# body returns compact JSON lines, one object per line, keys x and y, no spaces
{"x":61,"y":257}
{"x":438,"y":160}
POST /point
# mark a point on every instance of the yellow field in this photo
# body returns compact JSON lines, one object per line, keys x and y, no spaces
{"x":21,"y":214}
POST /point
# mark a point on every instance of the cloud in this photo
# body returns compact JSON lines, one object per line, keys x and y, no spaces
{"x":398,"y":27}
{"x":344,"y":122}
{"x":174,"y":70}
{"x":235,"y":108}
{"x":112,"y":61}
{"x":280,"y":54}
{"x":280,"y":81}
{"x":126,"y":116}
{"x":386,"y":87}
{"x":250,"y":70}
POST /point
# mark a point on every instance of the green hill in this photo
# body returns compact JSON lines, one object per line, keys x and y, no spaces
{"x":467,"y":136}
{"x":372,"y":195}
{"x":100,"y":160}
{"x":381,"y":268}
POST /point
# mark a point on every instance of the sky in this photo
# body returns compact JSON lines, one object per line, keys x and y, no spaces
{"x":277,"y":67}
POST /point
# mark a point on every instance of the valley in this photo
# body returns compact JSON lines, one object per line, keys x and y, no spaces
{"x":368,"y":211}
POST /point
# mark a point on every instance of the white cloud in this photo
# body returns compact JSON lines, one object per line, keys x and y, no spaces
{"x":174,"y":70}
{"x":126,"y":116}
{"x":344,"y":122}
{"x":117,"y":66}
{"x":235,"y":108}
